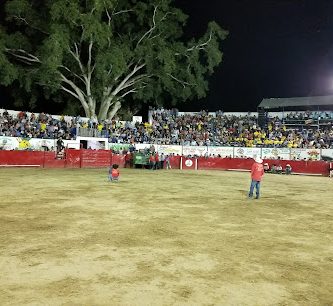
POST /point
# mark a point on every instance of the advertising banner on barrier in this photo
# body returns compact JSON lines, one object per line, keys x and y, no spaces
{"x":308,"y":154}
{"x":240,"y":152}
{"x":194,"y":150}
{"x":18,"y":143}
{"x":169,"y":149}
{"x":8,"y":143}
{"x":142,"y":146}
{"x":327,"y":154}
{"x":118,"y":146}
{"x":37,"y":144}
{"x":221,"y":151}
{"x":41,"y":144}
{"x":275,"y":153}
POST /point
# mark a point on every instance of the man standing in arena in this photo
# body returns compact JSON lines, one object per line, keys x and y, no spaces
{"x":257,"y":172}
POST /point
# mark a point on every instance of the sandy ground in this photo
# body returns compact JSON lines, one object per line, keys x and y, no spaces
{"x":68,"y":237}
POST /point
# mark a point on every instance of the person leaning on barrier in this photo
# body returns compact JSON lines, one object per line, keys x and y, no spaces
{"x":60,"y":144}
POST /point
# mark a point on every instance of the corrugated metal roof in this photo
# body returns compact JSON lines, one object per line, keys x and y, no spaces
{"x":296,"y":102}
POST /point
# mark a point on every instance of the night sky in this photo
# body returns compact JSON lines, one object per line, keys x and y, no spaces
{"x":276,"y":48}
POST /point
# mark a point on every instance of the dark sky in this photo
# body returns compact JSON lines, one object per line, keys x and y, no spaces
{"x":276,"y":48}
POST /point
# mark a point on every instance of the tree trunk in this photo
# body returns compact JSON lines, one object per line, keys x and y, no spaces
{"x":104,"y":108}
{"x":115,"y":108}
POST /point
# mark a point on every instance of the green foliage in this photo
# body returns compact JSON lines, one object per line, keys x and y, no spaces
{"x":91,"y":47}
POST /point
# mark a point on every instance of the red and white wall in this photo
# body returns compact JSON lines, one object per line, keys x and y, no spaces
{"x":104,"y":158}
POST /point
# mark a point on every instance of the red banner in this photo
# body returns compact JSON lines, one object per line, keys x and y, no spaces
{"x":189,"y":163}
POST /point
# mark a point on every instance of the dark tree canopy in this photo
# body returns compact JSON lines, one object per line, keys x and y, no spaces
{"x":101,"y":52}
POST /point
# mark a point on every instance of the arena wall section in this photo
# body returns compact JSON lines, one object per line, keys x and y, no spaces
{"x":35,"y":144}
{"x":104,"y":158}
{"x":300,"y":167}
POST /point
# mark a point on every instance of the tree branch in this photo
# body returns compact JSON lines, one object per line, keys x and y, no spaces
{"x":70,"y":92}
{"x":23,"y":55}
{"x":24,"y":20}
{"x":76,"y":56}
{"x":135,"y":80}
{"x":125,"y":80}
{"x":80,"y":94}
{"x":128,"y":92}
{"x":109,"y":16}
{"x":183,"y":83}
{"x":150,"y":30}
{"x":122,"y":12}
{"x":90,"y":69}
{"x":75,"y":74}
{"x":202,"y":45}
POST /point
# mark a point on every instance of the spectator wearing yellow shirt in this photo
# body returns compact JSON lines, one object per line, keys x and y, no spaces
{"x":100,"y":127}
{"x":43,"y":126}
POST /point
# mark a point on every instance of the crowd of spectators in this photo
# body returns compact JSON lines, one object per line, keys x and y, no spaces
{"x":36,"y":126}
{"x":299,"y":117}
{"x":223,"y":130}
{"x":171,"y":128}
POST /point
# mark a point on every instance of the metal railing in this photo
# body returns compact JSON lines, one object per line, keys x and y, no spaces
{"x":88,"y":132}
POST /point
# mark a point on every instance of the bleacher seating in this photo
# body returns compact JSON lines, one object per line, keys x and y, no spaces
{"x":296,"y":130}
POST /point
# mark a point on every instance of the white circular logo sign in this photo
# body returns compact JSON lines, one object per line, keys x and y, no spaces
{"x":188,"y":163}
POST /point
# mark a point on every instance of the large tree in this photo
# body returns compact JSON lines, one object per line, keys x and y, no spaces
{"x":100,"y":51}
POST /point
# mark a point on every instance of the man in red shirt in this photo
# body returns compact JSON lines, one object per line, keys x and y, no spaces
{"x":257,"y":172}
{"x":152,"y":161}
{"x":157,"y":161}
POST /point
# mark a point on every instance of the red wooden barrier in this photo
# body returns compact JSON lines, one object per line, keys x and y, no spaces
{"x":118,"y":159}
{"x":50,"y":161}
{"x":224,"y":163}
{"x":95,"y":159}
{"x":19,"y":158}
{"x":73,"y":158}
{"x":175,"y":162}
{"x":307,"y":167}
{"x":104,"y":158}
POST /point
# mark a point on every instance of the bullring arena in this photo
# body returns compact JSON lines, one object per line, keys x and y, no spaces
{"x":185,"y":236}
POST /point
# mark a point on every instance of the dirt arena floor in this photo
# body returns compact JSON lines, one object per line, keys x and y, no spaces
{"x":68,"y":237}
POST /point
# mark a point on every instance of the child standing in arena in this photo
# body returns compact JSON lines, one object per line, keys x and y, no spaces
{"x":114,"y":173}
{"x":257,"y":172}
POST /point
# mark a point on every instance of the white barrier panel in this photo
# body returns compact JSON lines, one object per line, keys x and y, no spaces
{"x":222,"y":151}
{"x":327,"y":154}
{"x":194,"y":150}
{"x":142,"y":146}
{"x":8,"y":143}
{"x":37,"y":144}
{"x":308,"y":154}
{"x":246,"y":152}
{"x":18,"y":143}
{"x":169,"y":149}
{"x":72,"y":144}
{"x":275,"y":153}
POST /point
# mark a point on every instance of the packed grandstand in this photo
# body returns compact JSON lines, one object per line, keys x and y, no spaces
{"x":308,"y":129}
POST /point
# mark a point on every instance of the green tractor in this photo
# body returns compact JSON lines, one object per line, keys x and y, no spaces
{"x":141,"y":160}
